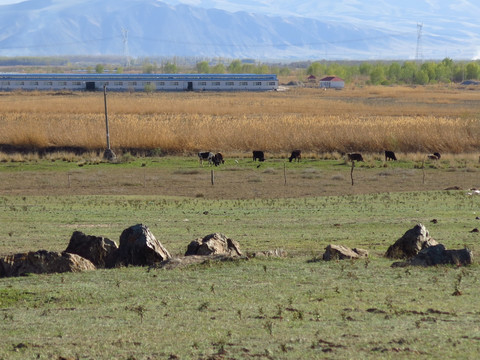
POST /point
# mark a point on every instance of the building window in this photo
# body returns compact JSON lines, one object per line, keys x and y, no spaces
{"x":5,"y":82}
{"x":118,"y":83}
{"x":243,"y":83}
{"x":175,"y":83}
{"x":161,"y":83}
{"x":48,"y":83}
{"x":216,"y":83}
{"x":272,"y":83}
{"x":132,"y":83}
{"x":33,"y":82}
{"x":202,"y":83}
{"x":77,"y":83}
{"x":21,"y":83}
{"x":229,"y":83}
{"x":258,"y":83}
{"x":62,"y":83}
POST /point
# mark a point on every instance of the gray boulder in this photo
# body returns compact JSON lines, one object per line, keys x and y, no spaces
{"x":411,"y":243}
{"x":43,"y":262}
{"x":97,"y":249}
{"x":214,"y":244}
{"x":340,"y":252}
{"x":138,"y":246}
{"x":438,"y":255}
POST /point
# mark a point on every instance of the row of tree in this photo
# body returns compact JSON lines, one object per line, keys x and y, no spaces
{"x":386,"y":73}
{"x":408,"y":72}
{"x":381,"y":73}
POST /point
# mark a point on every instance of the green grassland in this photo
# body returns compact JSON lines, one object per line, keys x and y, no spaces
{"x":298,"y":307}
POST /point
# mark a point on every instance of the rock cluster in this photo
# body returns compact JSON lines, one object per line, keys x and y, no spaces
{"x":411,"y":243}
{"x":137,"y":247}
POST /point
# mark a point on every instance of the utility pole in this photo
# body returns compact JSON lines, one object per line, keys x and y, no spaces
{"x":125,"y":46}
{"x":419,"y":53}
{"x":108,"y":154}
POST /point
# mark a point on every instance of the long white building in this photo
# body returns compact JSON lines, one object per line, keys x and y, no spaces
{"x":139,"y":82}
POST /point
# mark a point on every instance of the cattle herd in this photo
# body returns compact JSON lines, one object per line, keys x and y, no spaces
{"x":217,"y":158}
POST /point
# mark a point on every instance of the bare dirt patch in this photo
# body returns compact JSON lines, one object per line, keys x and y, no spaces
{"x":243,"y":183}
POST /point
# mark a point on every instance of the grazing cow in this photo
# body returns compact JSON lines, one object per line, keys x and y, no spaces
{"x":258,"y":154}
{"x":218,"y":159}
{"x":205,"y":156}
{"x":355,"y":157}
{"x":390,"y":155}
{"x":434,"y":156}
{"x":296,"y":155}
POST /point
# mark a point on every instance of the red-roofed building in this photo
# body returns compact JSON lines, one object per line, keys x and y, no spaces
{"x":332,"y":82}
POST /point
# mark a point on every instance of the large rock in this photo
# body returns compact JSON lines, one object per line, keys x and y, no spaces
{"x":43,"y":262}
{"x":214,"y":244}
{"x":97,"y":249}
{"x":411,"y":243}
{"x":340,"y":252}
{"x":438,"y":255}
{"x":138,"y":246}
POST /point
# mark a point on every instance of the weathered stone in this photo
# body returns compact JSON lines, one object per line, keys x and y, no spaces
{"x":138,"y":246}
{"x":340,"y":252}
{"x":97,"y":249}
{"x":411,"y":243}
{"x":214,"y":244}
{"x":438,"y":255}
{"x":43,"y":262}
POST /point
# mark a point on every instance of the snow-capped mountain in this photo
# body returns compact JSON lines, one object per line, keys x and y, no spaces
{"x":260,"y":29}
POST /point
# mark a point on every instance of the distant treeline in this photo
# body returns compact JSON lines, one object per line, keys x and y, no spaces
{"x":406,"y":72}
{"x":369,"y":72}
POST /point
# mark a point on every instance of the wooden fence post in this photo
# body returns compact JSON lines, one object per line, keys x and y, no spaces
{"x":212,"y":177}
{"x":351,"y":171}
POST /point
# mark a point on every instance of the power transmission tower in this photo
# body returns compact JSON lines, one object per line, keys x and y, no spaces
{"x":125,"y":46}
{"x":419,"y":53}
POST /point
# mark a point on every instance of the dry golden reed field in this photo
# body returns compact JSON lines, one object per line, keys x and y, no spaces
{"x":369,"y":119}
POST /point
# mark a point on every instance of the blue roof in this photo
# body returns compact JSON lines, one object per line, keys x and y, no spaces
{"x":144,"y":77}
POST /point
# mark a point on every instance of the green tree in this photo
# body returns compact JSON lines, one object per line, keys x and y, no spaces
{"x":148,"y":67}
{"x":170,"y":68}
{"x":430,"y":68}
{"x":393,"y":72}
{"x":203,"y":67}
{"x":421,"y":77}
{"x":262,"y":69}
{"x":407,"y":72}
{"x":235,"y":67}
{"x":365,"y":68}
{"x":377,"y":75}
{"x":316,"y":69}
{"x":218,"y":69}
{"x":443,"y":73}
{"x":119,"y":70}
{"x":99,"y":68}
{"x":472,"y":71}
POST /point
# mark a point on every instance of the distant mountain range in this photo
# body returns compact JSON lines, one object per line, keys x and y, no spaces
{"x":302,"y":30}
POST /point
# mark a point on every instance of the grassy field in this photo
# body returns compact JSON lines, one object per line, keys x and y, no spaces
{"x":299,"y":307}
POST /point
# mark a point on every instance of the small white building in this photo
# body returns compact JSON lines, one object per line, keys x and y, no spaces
{"x":331,"y":82}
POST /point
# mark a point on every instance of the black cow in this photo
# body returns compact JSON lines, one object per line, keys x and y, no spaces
{"x":205,"y":156}
{"x":390,"y":155}
{"x":296,"y":155}
{"x":355,"y":157}
{"x":218,"y":159}
{"x":258,"y":154}
{"x":434,"y":156}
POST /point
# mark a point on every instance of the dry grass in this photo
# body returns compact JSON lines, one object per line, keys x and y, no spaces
{"x":370,"y":119}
